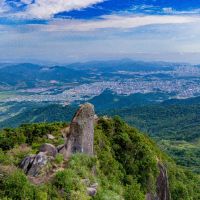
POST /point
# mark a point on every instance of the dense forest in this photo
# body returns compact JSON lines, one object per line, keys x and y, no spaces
{"x":124,"y":165}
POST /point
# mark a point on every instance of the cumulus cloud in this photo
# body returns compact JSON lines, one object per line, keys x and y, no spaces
{"x":43,"y":9}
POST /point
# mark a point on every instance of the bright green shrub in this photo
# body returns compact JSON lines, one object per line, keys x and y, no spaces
{"x":17,"y":187}
{"x":59,"y":158}
{"x":68,"y":181}
{"x":133,"y":192}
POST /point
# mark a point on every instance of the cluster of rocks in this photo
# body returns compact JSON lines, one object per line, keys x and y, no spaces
{"x":33,"y":165}
{"x":79,"y":137}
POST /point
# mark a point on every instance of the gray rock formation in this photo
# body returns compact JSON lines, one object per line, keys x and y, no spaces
{"x":91,"y":191}
{"x":163,"y":192}
{"x":50,"y":149}
{"x":27,"y":163}
{"x":162,"y":185}
{"x":81,"y":132}
{"x":61,"y":148}
{"x":33,"y":164}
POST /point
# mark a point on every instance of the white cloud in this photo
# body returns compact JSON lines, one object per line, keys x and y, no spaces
{"x":43,"y":9}
{"x":27,"y":1}
{"x":3,"y":7}
{"x":168,"y":10}
{"x":114,"y":21}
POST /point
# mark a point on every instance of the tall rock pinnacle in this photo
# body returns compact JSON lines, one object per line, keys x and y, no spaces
{"x":81,"y":133}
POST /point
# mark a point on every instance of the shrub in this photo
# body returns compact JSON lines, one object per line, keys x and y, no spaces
{"x":59,"y":158}
{"x":68,"y":182}
{"x":133,"y":192}
{"x":16,"y":186}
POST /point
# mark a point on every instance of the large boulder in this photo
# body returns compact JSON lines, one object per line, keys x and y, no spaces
{"x":50,"y":149}
{"x":81,"y":132}
{"x":33,"y":164}
{"x":27,"y":163}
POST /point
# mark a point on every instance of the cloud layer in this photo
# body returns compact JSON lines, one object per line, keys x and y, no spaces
{"x":43,"y":9}
{"x":59,"y":30}
{"x":115,"y":22}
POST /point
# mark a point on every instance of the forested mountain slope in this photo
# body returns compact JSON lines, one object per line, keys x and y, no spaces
{"x":124,"y":166}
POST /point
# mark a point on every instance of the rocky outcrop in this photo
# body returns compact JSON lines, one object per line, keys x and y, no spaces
{"x":163,"y":192}
{"x":79,"y":139}
{"x":162,"y":185}
{"x":50,"y":149}
{"x":33,"y":164}
{"x":81,"y":132}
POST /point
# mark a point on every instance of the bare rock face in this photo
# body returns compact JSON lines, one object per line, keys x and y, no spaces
{"x":50,"y":149}
{"x":33,"y":164}
{"x":162,"y":184}
{"x":81,"y":132}
{"x":26,"y":163}
{"x":61,"y":148}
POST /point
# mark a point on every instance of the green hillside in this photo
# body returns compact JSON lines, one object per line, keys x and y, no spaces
{"x":124,"y":166}
{"x":33,"y":113}
{"x":174,"y":125}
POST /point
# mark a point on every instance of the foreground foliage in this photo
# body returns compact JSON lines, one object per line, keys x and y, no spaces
{"x":124,"y":166}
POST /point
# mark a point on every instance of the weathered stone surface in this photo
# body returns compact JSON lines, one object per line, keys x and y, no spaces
{"x":32,"y":165}
{"x":81,"y":133}
{"x":27,"y":163}
{"x":50,"y":149}
{"x":162,"y":185}
{"x":50,"y":137}
{"x":91,"y":191}
{"x":163,"y":192}
{"x":39,"y":162}
{"x":149,"y":196}
{"x":61,"y":148}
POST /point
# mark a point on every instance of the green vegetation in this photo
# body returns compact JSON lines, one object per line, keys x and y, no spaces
{"x":31,"y":134}
{"x":185,"y":153}
{"x":174,"y":125}
{"x":124,"y":166}
{"x":34,"y":113}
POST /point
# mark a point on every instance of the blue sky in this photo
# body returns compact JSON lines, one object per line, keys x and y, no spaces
{"x":63,"y":31}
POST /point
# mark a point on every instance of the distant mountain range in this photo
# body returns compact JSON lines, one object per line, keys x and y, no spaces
{"x":27,"y":75}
